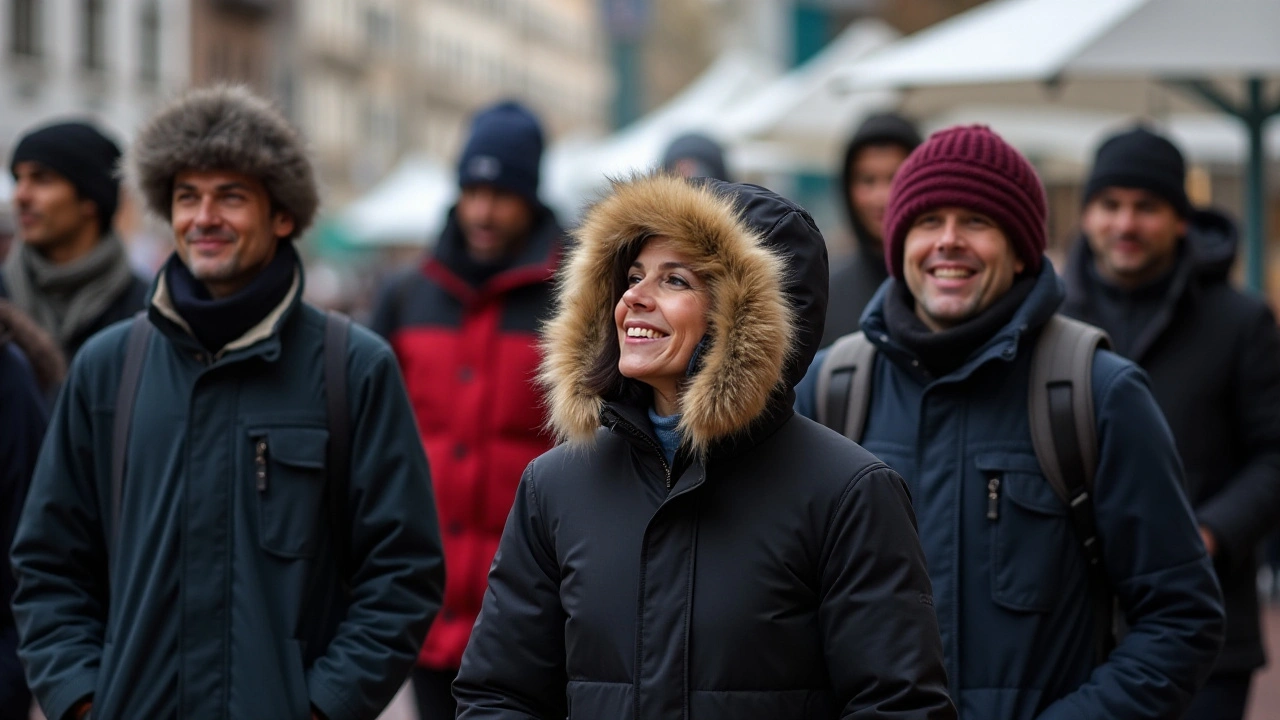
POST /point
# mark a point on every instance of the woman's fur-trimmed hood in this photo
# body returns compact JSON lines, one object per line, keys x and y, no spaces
{"x":225,"y":127}
{"x":765,"y":266}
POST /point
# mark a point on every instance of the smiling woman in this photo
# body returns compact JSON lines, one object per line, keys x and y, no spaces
{"x":688,"y":501}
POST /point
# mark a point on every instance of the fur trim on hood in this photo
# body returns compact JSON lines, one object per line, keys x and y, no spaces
{"x":224,"y":127}
{"x":737,"y":238}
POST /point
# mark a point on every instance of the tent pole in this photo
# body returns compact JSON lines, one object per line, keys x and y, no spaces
{"x":1256,"y":186}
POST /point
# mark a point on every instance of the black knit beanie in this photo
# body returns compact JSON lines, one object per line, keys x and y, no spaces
{"x":1141,"y":159}
{"x":80,"y":153}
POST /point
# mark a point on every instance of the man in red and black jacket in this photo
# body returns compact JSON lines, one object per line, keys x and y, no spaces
{"x":464,"y":328}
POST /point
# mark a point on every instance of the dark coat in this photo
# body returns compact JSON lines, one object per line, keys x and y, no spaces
{"x":1213,"y":355}
{"x":772,"y":571}
{"x":1011,"y":590}
{"x":22,"y":423}
{"x":220,"y":596}
{"x":469,"y":354}
{"x":855,"y":282}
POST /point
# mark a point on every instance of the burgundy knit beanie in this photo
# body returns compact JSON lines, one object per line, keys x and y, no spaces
{"x":974,"y":168}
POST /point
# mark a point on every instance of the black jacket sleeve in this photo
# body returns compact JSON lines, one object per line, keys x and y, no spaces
{"x":883,"y":647}
{"x":1247,"y":507}
{"x":514,"y":666}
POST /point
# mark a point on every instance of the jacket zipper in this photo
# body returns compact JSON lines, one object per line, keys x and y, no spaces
{"x":657,"y":449}
{"x":993,"y":497}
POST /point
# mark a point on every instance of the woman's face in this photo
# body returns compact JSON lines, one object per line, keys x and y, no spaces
{"x":661,"y":318}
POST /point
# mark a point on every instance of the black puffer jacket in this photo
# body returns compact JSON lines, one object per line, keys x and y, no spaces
{"x":773,"y":572}
{"x":854,"y":282}
{"x":1213,"y":354}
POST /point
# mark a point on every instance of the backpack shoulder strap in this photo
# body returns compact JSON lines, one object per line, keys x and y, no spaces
{"x":337,"y":330}
{"x":135,"y":356}
{"x":1065,"y":435}
{"x":844,"y":385}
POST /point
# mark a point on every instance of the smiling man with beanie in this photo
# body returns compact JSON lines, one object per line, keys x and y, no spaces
{"x":1155,"y":274}
{"x":952,"y":336}
{"x":464,"y":327}
{"x":199,"y":545}
{"x":70,"y":273}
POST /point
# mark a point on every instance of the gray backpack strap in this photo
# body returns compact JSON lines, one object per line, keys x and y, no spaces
{"x":844,"y":385}
{"x":1064,"y":432}
{"x":135,"y":356}
{"x":337,"y":329}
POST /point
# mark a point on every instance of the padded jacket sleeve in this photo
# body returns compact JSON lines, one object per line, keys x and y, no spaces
{"x":881,"y":636}
{"x":514,"y":666}
{"x":1247,"y":507}
{"x":1163,"y":580}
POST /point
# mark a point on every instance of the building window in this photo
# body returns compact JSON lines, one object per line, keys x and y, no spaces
{"x":91,"y":51}
{"x":24,"y":24}
{"x":149,"y":43}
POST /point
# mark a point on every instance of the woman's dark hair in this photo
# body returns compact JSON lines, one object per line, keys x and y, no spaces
{"x":603,"y":377}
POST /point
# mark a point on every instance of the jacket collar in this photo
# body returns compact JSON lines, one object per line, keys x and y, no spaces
{"x":536,"y":262}
{"x":1035,"y":311}
{"x":261,"y":339}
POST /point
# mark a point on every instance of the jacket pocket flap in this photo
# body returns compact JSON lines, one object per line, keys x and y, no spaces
{"x":1021,"y":481}
{"x":297,"y":447}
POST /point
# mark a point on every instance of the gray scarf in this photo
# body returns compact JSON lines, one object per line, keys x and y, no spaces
{"x":65,"y":299}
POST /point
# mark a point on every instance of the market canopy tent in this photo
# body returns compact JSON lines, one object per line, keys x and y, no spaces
{"x":1148,"y":57}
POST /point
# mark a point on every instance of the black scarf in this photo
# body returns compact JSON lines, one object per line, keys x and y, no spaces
{"x":216,"y":322}
{"x":943,"y":351}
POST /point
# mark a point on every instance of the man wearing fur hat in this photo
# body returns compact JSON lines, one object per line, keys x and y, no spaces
{"x":1154,"y":273}
{"x":215,"y":556}
{"x":464,"y":326}
{"x":1015,"y":567}
{"x":70,"y":273}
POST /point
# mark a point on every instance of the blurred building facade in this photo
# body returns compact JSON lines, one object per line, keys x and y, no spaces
{"x":375,"y":80}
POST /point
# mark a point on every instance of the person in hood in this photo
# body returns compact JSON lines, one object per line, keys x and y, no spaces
{"x":954,"y":331}
{"x":693,"y":549}
{"x":1153,"y":272}
{"x":694,"y":155}
{"x":873,"y":156}
{"x":463,"y":324}
{"x":70,"y":272}
{"x":233,"y":571}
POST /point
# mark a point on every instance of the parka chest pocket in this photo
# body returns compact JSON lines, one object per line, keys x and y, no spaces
{"x":1029,"y":531}
{"x":289,"y":479}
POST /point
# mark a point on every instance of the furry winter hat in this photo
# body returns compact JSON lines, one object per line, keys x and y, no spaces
{"x":224,"y":127}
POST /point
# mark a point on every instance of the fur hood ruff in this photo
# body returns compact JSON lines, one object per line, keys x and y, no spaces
{"x":223,"y":128}
{"x":751,"y":325}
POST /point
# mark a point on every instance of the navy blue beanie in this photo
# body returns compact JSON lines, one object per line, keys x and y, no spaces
{"x":80,"y":153}
{"x":504,"y":151}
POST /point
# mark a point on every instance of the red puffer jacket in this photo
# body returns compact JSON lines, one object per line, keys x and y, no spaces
{"x":467,"y":345}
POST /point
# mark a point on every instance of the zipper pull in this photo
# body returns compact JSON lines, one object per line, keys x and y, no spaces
{"x":260,"y":463}
{"x":993,"y":497}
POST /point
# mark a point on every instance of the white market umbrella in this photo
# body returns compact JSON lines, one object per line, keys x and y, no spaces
{"x":407,"y":208}
{"x":1136,"y":56}
{"x":796,"y":118}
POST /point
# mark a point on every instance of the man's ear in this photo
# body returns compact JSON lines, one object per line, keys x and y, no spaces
{"x":282,"y":224}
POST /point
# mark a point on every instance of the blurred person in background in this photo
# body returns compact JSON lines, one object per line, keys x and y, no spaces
{"x":215,"y":555}
{"x":695,"y":549}
{"x":694,"y":155}
{"x":70,"y":271}
{"x":464,"y":328}
{"x":1154,"y":272}
{"x":31,"y":366}
{"x":871,"y":159}
{"x":1019,"y":599}
{"x":7,"y":234}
